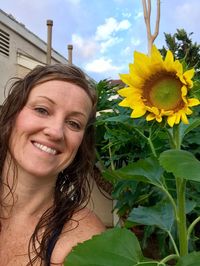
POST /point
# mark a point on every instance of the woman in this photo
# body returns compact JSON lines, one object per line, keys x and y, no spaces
{"x":46,"y":158}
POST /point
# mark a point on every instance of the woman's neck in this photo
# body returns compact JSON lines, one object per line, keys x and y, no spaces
{"x":24,"y":193}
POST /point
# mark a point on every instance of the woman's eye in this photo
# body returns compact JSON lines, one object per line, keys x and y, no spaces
{"x":41,"y":110}
{"x":73,"y":124}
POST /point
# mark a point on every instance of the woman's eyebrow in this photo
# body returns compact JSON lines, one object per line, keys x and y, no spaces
{"x":47,"y":98}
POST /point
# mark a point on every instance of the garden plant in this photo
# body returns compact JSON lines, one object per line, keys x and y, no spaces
{"x":157,"y":111}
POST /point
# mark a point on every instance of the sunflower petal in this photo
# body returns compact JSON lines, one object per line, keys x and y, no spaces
{"x":150,"y":117}
{"x":169,"y":59}
{"x":193,"y":102}
{"x":184,"y":118}
{"x":171,"y":120}
{"x":138,"y":112}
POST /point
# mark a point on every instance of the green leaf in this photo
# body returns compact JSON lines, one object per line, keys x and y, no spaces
{"x":160,"y":215}
{"x":186,"y":128}
{"x":181,"y":163}
{"x":145,"y":170}
{"x":115,"y":247}
{"x":110,"y":175}
{"x":192,"y":259}
{"x":119,"y":118}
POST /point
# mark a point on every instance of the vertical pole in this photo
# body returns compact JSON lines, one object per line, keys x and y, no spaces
{"x":49,"y":40}
{"x":70,"y":48}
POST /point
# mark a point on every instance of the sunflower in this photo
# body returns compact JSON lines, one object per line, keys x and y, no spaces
{"x":158,"y":88}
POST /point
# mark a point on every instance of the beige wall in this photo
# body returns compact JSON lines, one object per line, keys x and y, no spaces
{"x":23,"y":46}
{"x":102,"y":206}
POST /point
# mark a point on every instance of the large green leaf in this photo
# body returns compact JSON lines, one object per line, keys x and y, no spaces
{"x":192,"y":259}
{"x":115,"y":247}
{"x":160,"y":215}
{"x":181,"y":163}
{"x":145,"y":170}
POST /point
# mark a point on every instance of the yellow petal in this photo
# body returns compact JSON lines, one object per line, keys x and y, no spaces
{"x":184,"y":118}
{"x":138,"y":112}
{"x":126,"y":78}
{"x":184,"y":91}
{"x":178,"y":118}
{"x":156,"y":55}
{"x":178,"y":67}
{"x":169,"y":60}
{"x":188,"y":111}
{"x":137,"y":81}
{"x":193,"y":102}
{"x":153,"y":110}
{"x":189,"y":74}
{"x":124,"y":103}
{"x":125,"y":92}
{"x":141,"y":64}
{"x":171,"y":120}
{"x":159,"y":119}
{"x":150,"y":117}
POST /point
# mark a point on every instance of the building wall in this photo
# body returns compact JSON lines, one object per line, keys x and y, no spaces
{"x":26,"y":51}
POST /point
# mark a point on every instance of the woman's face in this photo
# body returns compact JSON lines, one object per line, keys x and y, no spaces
{"x":49,"y":129}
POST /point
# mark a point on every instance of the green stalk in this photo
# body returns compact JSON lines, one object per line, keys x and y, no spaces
{"x":173,"y":243}
{"x":181,"y":224}
{"x":110,"y":155}
{"x":181,"y":209}
{"x":176,"y":137}
{"x":191,"y":227}
{"x":168,"y":258}
{"x":171,"y":200}
{"x":152,"y":147}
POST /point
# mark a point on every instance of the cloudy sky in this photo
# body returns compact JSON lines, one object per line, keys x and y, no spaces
{"x":104,"y":33}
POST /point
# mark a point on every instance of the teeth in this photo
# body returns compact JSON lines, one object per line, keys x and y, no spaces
{"x":45,"y":148}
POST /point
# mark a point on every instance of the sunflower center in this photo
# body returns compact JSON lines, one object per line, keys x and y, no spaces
{"x":164,"y":93}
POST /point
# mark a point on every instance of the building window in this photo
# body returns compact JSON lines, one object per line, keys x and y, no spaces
{"x":4,"y":42}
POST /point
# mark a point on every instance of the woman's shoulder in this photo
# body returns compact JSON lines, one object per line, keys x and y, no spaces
{"x":87,"y":219}
{"x":83,"y":226}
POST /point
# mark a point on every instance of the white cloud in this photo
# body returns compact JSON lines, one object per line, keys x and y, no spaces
{"x":135,"y":41}
{"x":108,"y":43}
{"x":127,"y":51}
{"x":126,"y":14}
{"x":111,"y":26}
{"x":138,"y":15}
{"x":86,"y":48}
{"x":101,"y":65}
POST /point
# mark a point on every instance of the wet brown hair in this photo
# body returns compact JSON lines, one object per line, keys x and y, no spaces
{"x":72,"y":187}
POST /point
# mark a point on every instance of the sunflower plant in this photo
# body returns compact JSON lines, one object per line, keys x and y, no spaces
{"x":163,"y":92}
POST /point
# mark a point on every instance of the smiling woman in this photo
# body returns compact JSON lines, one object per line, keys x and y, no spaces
{"x":46,"y":158}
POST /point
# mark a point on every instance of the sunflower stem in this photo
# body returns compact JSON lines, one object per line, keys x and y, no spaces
{"x":181,"y":224}
{"x":176,"y":137}
{"x":181,"y":208}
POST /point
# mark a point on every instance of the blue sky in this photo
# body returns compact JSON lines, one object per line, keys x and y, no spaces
{"x":104,"y":33}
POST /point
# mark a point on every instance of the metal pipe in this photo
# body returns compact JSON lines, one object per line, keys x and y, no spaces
{"x":70,"y":48}
{"x":49,"y":40}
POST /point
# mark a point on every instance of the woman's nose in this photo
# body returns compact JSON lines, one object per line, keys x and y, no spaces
{"x":54,"y":130}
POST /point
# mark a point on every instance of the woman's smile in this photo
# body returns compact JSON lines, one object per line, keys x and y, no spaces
{"x":45,"y":148}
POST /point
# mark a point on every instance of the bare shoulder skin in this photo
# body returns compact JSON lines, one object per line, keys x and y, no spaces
{"x":85,"y":225}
